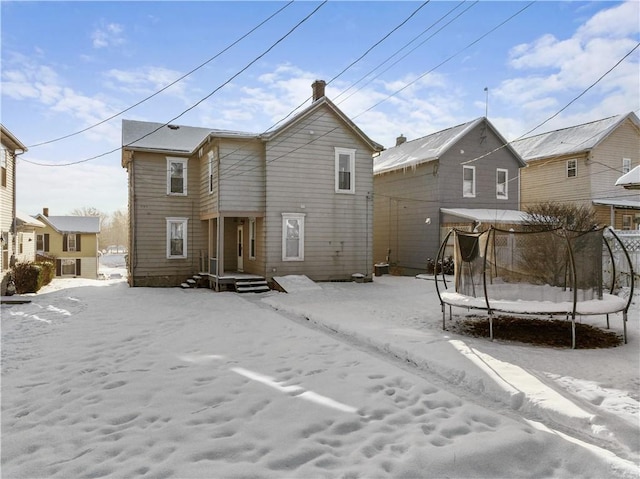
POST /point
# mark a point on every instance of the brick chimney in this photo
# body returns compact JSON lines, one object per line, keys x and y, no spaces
{"x":45,"y":211}
{"x":318,"y":89}
{"x":400,"y":140}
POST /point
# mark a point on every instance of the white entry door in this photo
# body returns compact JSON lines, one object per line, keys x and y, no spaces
{"x":240,"y":248}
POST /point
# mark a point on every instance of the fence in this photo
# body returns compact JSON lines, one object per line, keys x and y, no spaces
{"x":631,"y":241}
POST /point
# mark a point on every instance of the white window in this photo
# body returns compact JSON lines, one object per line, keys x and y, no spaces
{"x":572,"y":168}
{"x":627,"y":221}
{"x":39,"y":243}
{"x":345,"y":170}
{"x":469,"y":181}
{"x":211,"y":166}
{"x":177,"y":176}
{"x":177,"y":237}
{"x":252,"y":239}
{"x":293,"y":236}
{"x":67,"y":267}
{"x":71,"y":242}
{"x":502,"y":184}
{"x":626,"y":165}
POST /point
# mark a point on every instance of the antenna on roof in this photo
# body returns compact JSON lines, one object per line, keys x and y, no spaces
{"x":486,"y":103}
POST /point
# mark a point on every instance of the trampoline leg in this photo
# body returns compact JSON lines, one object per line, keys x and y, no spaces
{"x":624,"y":326}
{"x":607,"y":321}
{"x":450,"y":313}
{"x":491,"y":326}
{"x":443,"y":315}
{"x":573,"y":332}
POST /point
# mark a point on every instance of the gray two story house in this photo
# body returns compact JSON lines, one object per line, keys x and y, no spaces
{"x":296,"y":200}
{"x":465,"y":177}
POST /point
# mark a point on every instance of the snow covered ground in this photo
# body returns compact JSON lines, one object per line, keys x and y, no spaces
{"x":341,"y":380}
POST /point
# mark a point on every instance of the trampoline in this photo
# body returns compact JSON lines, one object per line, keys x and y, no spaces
{"x":552,"y":272}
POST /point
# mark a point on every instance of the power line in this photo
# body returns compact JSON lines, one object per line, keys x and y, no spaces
{"x":199,"y":101}
{"x":167,"y":86}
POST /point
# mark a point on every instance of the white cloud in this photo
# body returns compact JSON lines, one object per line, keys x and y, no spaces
{"x":148,"y":80}
{"x":108,"y":35}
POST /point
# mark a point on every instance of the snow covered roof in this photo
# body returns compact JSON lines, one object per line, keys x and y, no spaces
{"x":10,"y":139}
{"x":73,"y":224}
{"x":26,"y":220}
{"x":486,"y":215}
{"x":571,"y":140}
{"x":630,"y":179}
{"x":147,"y":135}
{"x":428,"y":148}
{"x":617,"y":202}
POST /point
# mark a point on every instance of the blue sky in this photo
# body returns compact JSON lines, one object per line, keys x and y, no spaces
{"x":67,"y":66}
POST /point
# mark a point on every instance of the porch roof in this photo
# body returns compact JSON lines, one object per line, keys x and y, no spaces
{"x":486,"y":215}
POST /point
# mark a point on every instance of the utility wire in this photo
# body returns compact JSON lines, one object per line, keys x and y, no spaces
{"x":198,"y":102}
{"x":167,"y":86}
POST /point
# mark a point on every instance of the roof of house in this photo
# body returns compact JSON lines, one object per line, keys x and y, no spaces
{"x":571,"y":140}
{"x":10,"y":139}
{"x":179,"y":139}
{"x":487,"y":215}
{"x":24,"y":219}
{"x":429,"y":148}
{"x":324,"y":101}
{"x":72,"y":224}
{"x":630,"y":179}
{"x":145,"y":135}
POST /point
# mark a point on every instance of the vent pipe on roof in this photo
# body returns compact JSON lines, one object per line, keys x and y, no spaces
{"x":318,"y":89}
{"x":400,"y":140}
{"x":45,"y":211}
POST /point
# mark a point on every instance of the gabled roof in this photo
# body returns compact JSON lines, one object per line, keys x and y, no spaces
{"x":630,"y":179}
{"x":429,"y":148}
{"x":10,"y":139}
{"x":573,"y":140}
{"x":24,"y":219}
{"x":72,"y":224}
{"x":324,"y":101}
{"x":179,"y":139}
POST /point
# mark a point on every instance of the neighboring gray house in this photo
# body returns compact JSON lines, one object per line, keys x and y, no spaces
{"x":295,"y":200}
{"x":465,"y":176}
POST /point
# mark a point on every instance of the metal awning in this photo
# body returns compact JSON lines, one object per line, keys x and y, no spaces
{"x":618,"y":203}
{"x":485,"y":215}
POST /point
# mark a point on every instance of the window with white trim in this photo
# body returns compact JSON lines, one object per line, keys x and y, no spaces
{"x":252,"y":239}
{"x":177,"y":176}
{"x":572,"y":168}
{"x":67,"y":267}
{"x":177,"y":238}
{"x":345,"y":170}
{"x":211,"y":157}
{"x":502,"y":184}
{"x":39,"y":243}
{"x":71,"y":242}
{"x":293,"y":236}
{"x":626,"y":165}
{"x":627,"y":222}
{"x":469,"y":181}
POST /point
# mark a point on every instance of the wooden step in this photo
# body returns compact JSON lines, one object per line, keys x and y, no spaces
{"x":252,"y":286}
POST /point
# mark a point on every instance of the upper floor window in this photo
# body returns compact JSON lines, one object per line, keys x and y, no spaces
{"x":176,"y":238}
{"x":3,"y":166}
{"x":293,"y":236}
{"x":502,"y":183}
{"x":211,"y":157}
{"x":345,"y":170}
{"x":70,"y":242}
{"x":469,"y":181}
{"x":177,"y":176}
{"x":572,"y":168}
{"x":626,"y":165}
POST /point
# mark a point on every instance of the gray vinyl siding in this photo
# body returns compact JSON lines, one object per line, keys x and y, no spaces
{"x":242,"y":176}
{"x":301,"y":179}
{"x":475,"y":144}
{"x":209,"y":200}
{"x":152,"y":205}
{"x":404,"y":199}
